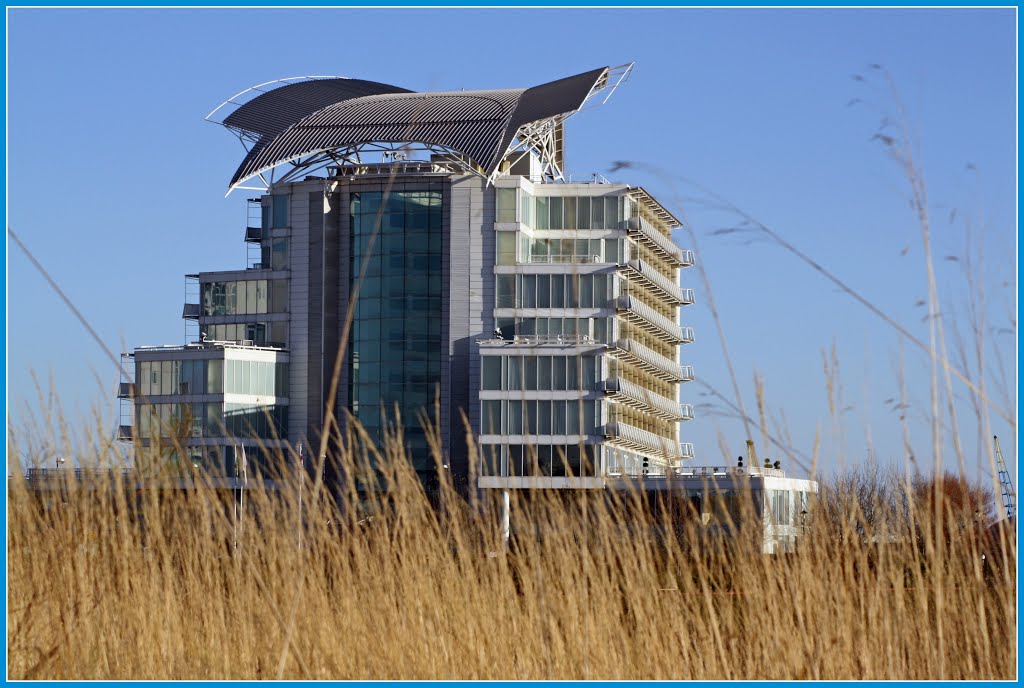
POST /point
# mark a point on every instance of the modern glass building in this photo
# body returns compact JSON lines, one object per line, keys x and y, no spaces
{"x":427,"y":255}
{"x":203,"y":402}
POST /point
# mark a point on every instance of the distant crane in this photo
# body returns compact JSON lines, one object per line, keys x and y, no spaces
{"x":1009,"y":495}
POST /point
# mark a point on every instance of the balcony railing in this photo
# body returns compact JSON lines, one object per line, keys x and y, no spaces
{"x":669,"y":291}
{"x":650,"y":361}
{"x":640,"y":230}
{"x":565,"y":259}
{"x":648,"y":319}
{"x":724,"y":471}
{"x":633,"y":395}
{"x":642,"y":441}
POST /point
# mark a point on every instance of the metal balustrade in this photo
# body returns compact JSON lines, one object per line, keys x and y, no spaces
{"x":640,"y":230}
{"x":633,"y":395}
{"x":669,"y":291}
{"x":635,"y":439}
{"x":650,"y":320}
{"x":650,"y":361}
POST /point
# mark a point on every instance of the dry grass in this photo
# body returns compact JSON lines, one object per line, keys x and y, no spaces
{"x":110,"y":584}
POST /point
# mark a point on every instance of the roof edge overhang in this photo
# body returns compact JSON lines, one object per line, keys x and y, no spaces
{"x":484,"y":138}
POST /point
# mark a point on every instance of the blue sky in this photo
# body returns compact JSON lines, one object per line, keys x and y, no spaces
{"x":117,"y":184}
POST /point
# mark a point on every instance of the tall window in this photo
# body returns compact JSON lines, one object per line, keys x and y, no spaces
{"x":280,"y":205}
{"x":506,"y":205}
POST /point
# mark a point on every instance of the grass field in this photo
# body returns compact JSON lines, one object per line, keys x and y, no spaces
{"x":110,"y":584}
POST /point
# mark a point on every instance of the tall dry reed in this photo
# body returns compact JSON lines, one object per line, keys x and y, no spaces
{"x":106,"y":581}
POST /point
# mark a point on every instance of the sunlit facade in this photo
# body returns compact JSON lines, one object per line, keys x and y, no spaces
{"x":425,"y":262}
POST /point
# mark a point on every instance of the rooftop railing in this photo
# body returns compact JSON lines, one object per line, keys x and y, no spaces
{"x":208,"y":344}
{"x":549,"y":339}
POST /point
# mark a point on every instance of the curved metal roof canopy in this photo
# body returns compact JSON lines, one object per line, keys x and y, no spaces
{"x":312,"y":121}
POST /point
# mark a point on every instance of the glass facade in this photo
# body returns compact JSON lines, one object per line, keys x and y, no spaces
{"x":183,"y":420}
{"x":553,"y":291}
{"x":505,"y":205}
{"x":212,"y":376}
{"x":539,"y":416}
{"x":259,"y":333}
{"x":180,"y":377}
{"x":569,"y":230}
{"x":242,"y":297}
{"x":261,"y":378}
{"x":276,"y":254}
{"x":279,"y":203}
{"x":578,"y":212}
{"x":778,"y":503}
{"x":540,"y":373}
{"x":395,"y":353}
{"x":576,"y":250}
{"x":539,"y":460}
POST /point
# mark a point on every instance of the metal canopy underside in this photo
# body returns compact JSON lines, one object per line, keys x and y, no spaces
{"x":273,"y":111}
{"x":312,"y":121}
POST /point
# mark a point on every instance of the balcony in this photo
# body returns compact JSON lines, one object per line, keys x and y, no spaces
{"x":649,"y":320}
{"x":641,"y":273}
{"x":253,"y":235}
{"x":191,"y":311}
{"x":633,"y":395}
{"x":642,"y":232}
{"x":654,"y":363}
{"x":644,"y":442}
